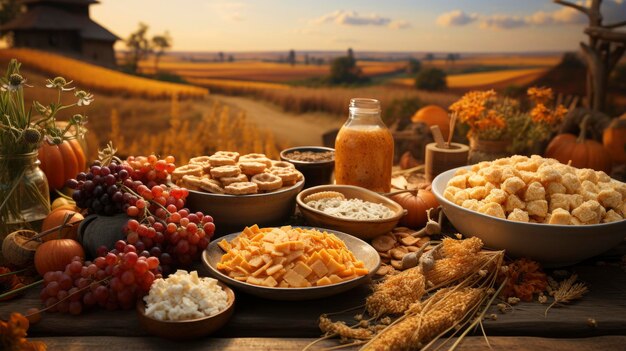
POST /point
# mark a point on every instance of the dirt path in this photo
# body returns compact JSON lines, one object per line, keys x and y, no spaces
{"x":292,"y":129}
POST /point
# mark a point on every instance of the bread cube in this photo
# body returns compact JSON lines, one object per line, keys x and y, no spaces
{"x":459,"y":181}
{"x":620,"y":187}
{"x":492,"y":174}
{"x":587,"y":185}
{"x":587,"y":212}
{"x":502,"y":162}
{"x":478,"y":193}
{"x":603,"y":177}
{"x":472,"y":204}
{"x":575,"y":200}
{"x":610,"y":198}
{"x":560,"y":216}
{"x":548,"y":174}
{"x":476,"y":180}
{"x":555,"y":188}
{"x":589,"y":195}
{"x":587,"y":174}
{"x":462,"y":171}
{"x":461,"y":196}
{"x":530,"y":166}
{"x":490,"y":186}
{"x":534,"y":191}
{"x":518,"y":159}
{"x":513,"y":185}
{"x":518,"y":215}
{"x":611,"y":216}
{"x":529,"y":177}
{"x":492,"y":209}
{"x":449,"y":193}
{"x":496,"y":195}
{"x":537,"y":208}
{"x":508,"y":172}
{"x":513,"y":202}
{"x":561,"y":201}
{"x":571,"y":183}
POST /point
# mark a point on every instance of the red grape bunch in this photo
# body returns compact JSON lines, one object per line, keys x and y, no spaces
{"x":153,"y":201}
{"x":177,"y":240}
{"x":100,"y":188}
{"x":113,"y":281}
{"x":151,"y":170}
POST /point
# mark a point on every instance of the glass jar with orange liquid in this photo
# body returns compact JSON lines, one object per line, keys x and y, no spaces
{"x":364,"y":148}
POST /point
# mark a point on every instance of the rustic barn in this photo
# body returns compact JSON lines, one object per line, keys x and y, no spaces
{"x":63,"y":26}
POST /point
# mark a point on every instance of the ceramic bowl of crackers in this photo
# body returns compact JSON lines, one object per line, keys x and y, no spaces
{"x":540,"y":217}
{"x":240,"y":190}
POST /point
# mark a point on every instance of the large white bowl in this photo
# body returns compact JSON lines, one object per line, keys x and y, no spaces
{"x":552,"y":245}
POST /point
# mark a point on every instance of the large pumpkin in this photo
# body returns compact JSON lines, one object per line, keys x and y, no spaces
{"x":55,"y":219}
{"x":614,"y":140}
{"x":416,"y":205}
{"x":54,"y":255}
{"x":433,"y":115}
{"x":61,"y":162}
{"x":582,"y":152}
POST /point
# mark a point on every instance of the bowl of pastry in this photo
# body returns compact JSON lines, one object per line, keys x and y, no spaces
{"x":535,"y":207}
{"x":240,"y":190}
{"x":349,"y":209}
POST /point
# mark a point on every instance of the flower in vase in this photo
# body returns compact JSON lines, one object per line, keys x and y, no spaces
{"x":84,"y":98}
{"x":59,"y":83}
{"x":14,"y":83}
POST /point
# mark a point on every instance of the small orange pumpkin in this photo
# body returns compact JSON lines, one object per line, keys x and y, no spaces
{"x":433,"y":115}
{"x":614,"y":139}
{"x":54,"y":255}
{"x":61,"y":162}
{"x":582,"y":152}
{"x":416,"y":205}
{"x":55,"y":219}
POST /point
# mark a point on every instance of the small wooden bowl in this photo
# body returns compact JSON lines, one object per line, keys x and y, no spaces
{"x":187,"y":329}
{"x":362,"y":228}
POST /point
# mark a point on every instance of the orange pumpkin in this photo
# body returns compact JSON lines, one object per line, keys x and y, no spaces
{"x":61,"y":162}
{"x":54,"y":255}
{"x":582,"y":152}
{"x":433,"y":115}
{"x":55,"y":219}
{"x":614,"y":140}
{"x":416,"y":206}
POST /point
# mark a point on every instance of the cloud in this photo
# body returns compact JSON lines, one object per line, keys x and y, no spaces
{"x":613,"y":11}
{"x":353,"y":18}
{"x":498,"y":22}
{"x":230,"y":11}
{"x":399,"y":24}
{"x":455,"y":18}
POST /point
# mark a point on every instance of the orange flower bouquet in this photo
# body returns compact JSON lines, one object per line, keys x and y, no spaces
{"x":494,"y":118}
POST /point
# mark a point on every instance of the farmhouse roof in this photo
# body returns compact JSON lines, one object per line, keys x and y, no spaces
{"x":51,"y":18}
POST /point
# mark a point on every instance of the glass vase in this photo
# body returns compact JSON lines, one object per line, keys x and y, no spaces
{"x":24,"y":193}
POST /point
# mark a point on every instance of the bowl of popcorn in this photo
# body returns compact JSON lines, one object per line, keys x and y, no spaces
{"x":291,"y":263}
{"x":349,"y":209}
{"x":535,"y":207}
{"x":240,"y":190}
{"x":185,"y":306}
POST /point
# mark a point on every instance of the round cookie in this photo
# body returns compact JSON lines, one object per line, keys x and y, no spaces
{"x":191,"y":169}
{"x":267,"y":181}
{"x":252,"y":168}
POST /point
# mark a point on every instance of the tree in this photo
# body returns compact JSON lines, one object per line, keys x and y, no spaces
{"x":413,"y":66}
{"x":231,"y":58}
{"x":344,"y":70}
{"x":160,"y":43}
{"x":429,"y":57}
{"x":451,"y":57}
{"x":220,"y":56}
{"x":351,"y":55}
{"x":291,"y":57}
{"x":603,"y":51}
{"x":306,"y":59}
{"x":9,"y":9}
{"x":431,"y":79}
{"x":138,"y":47}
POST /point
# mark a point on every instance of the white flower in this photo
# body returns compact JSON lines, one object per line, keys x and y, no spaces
{"x":15,"y":82}
{"x":59,"y":83}
{"x":84,"y":98}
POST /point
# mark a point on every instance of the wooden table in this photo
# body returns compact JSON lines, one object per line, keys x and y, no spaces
{"x":270,"y":325}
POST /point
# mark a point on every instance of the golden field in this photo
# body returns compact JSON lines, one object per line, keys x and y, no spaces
{"x":99,"y":79}
{"x":491,"y":80}
{"x":260,"y":71}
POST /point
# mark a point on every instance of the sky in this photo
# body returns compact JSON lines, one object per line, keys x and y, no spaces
{"x":364,"y":25}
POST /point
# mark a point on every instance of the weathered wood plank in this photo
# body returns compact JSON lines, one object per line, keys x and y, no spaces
{"x":476,"y":343}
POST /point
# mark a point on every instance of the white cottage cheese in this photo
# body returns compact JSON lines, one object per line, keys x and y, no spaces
{"x":184,"y":296}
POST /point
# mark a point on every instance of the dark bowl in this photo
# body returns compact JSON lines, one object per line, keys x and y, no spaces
{"x":315,"y":173}
{"x":187,"y":329}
